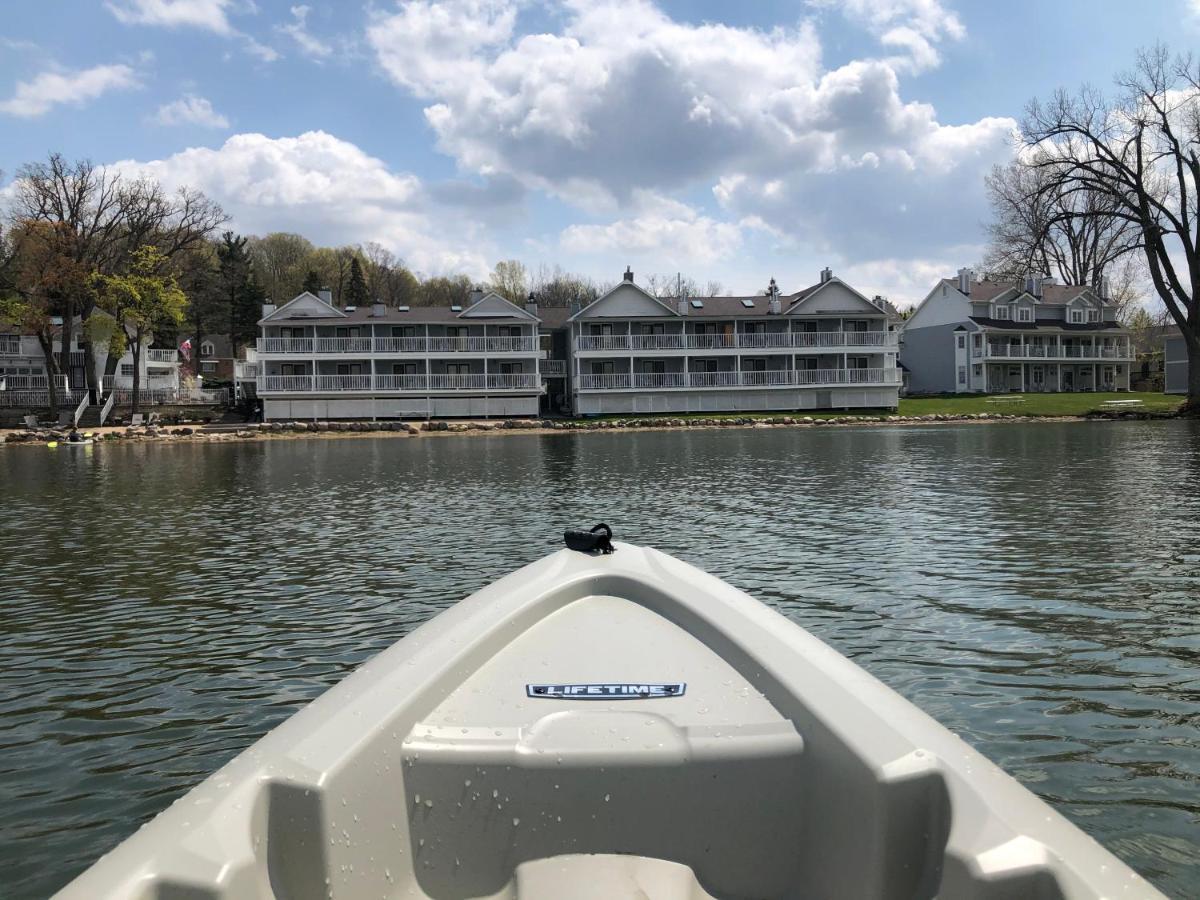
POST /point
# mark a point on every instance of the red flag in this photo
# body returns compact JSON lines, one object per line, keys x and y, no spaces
{"x":186,"y":349}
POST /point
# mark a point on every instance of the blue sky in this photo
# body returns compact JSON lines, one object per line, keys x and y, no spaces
{"x":733,"y":142}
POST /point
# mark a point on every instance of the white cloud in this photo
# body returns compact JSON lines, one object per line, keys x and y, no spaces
{"x":913,"y":26}
{"x":297,"y":30}
{"x":206,"y":14}
{"x":49,"y":89}
{"x":663,"y":230}
{"x":620,"y":100}
{"x":328,"y":190}
{"x":191,"y":110}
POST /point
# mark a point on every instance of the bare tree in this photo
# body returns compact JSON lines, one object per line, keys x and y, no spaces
{"x":1138,"y":150}
{"x":510,"y":280}
{"x":555,"y":287}
{"x":1039,"y":224}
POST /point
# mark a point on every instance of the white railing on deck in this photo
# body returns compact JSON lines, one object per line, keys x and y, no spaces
{"x":33,"y":382}
{"x":10,"y":345}
{"x":107,"y":407}
{"x":83,"y":405}
{"x":741,"y":341}
{"x":767,"y":378}
{"x":162,"y":356}
{"x":473,"y":381}
{"x":386,"y":345}
{"x":1053,"y":351}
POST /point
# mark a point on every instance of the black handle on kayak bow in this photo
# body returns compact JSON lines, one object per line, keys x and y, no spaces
{"x":599,"y":538}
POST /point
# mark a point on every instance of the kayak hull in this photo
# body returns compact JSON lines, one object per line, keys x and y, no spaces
{"x":620,"y":725}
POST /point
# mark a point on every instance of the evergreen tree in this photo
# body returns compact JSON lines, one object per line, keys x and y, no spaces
{"x":312,"y":283}
{"x":247,"y":310}
{"x":357,"y":293}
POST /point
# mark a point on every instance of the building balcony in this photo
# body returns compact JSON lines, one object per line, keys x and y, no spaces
{"x":652,"y":381}
{"x":1052,"y":352}
{"x":31,"y":382}
{"x":554,"y":368}
{"x":10,"y":345}
{"x":367,"y":384}
{"x":782,"y":340}
{"x":391,"y":346}
{"x":162,"y":356}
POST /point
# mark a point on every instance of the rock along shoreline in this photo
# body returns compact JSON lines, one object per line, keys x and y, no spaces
{"x":437,"y":428}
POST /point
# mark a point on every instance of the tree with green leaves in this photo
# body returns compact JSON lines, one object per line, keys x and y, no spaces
{"x":312,"y":283}
{"x":145,"y":298}
{"x":356,"y":291}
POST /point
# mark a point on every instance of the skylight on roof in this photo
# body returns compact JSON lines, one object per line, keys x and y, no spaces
{"x":351,"y":308}
{"x":456,"y":308}
{"x":402,"y":309}
{"x":697,"y":304}
{"x":749,"y":304}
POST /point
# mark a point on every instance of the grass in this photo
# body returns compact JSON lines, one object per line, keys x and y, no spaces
{"x":950,"y":404}
{"x":1034,"y":404}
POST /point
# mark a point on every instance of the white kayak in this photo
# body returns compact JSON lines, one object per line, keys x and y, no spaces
{"x":609,"y":726}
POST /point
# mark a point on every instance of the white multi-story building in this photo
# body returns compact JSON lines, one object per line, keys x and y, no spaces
{"x":23,"y":378}
{"x":316,"y":361}
{"x":825,"y":347}
{"x":970,"y":336}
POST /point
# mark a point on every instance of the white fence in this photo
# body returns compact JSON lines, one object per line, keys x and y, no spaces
{"x":767,"y":378}
{"x":388,"y":345}
{"x":284,"y":384}
{"x":737,"y":341}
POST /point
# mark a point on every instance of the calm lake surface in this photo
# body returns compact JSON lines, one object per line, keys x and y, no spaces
{"x":1035,"y":587}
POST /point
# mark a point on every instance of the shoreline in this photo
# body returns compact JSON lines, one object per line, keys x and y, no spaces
{"x":234,"y":433}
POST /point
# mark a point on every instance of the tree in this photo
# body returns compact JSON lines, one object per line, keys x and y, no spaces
{"x":443,"y":291}
{"x":280,"y":258}
{"x":209,"y":307}
{"x":241,"y":292}
{"x":146,"y":298}
{"x":39,"y":271}
{"x":101,"y":221}
{"x":356,"y":290}
{"x":1138,"y":150}
{"x":387,"y":276}
{"x":510,"y":280}
{"x":312,"y":283}
{"x":554,"y":287}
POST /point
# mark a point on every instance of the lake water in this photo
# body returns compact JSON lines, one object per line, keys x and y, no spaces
{"x":1035,"y":587}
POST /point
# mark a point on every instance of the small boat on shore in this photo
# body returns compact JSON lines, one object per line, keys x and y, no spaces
{"x":609,"y":725}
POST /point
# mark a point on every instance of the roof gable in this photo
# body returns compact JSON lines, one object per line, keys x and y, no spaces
{"x":305,"y":306}
{"x":492,"y":306}
{"x":625,"y":301}
{"x":834,"y":295}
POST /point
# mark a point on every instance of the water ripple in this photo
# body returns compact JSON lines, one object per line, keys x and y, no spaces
{"x":1033,"y":587}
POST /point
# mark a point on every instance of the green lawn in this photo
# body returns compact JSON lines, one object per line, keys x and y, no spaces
{"x":1034,"y":404}
{"x":950,"y":404}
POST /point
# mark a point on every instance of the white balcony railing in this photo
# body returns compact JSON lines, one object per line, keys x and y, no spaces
{"x":323,"y":384}
{"x":389,"y":345}
{"x":10,"y":345}
{"x":1053,"y":351}
{"x":162,"y":356}
{"x":769,"y":378}
{"x":554,"y":368}
{"x":31,"y":382}
{"x":744,"y":341}
{"x":343,"y":345}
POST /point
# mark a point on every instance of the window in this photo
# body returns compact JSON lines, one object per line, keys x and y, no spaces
{"x":404,"y":331}
{"x":604,"y":367}
{"x":292,"y":369}
{"x":654,"y":328}
{"x":345,"y":332}
{"x":509,"y":330}
{"x":962,"y":374}
{"x":10,"y":344}
{"x":208,"y":367}
{"x":654,"y":366}
{"x":602,"y":330}
{"x":697,"y":304}
{"x":1024,"y":314}
{"x":456,"y":331}
{"x":962,"y":342}
{"x":458,"y":368}
{"x":510,"y":368}
{"x":978,"y":371}
{"x":206,"y":349}
{"x":1001,"y":312}
{"x":856,"y":325}
{"x":1093,"y":315}
{"x":405,"y":369}
{"x":1077,"y":316}
{"x":349,"y":369}
{"x":291,"y":332}
{"x":127,"y":370}
{"x":858,"y":362}
{"x":754,"y":365}
{"x":749,"y":304}
{"x":754,"y":327}
{"x":704,"y":365}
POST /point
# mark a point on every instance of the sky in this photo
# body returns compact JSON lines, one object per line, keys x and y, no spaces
{"x":729,"y":142}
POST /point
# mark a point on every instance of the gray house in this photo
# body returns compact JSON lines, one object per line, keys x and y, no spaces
{"x":1175,"y":363}
{"x":970,"y":336}
{"x":825,"y":347}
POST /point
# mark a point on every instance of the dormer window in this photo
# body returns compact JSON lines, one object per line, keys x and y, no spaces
{"x":1093,"y":315}
{"x":1002,"y":312}
{"x":206,"y":349}
{"x":1077,"y":317}
{"x":1024,"y":314}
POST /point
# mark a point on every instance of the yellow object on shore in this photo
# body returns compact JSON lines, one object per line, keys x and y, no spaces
{"x":52,"y":444}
